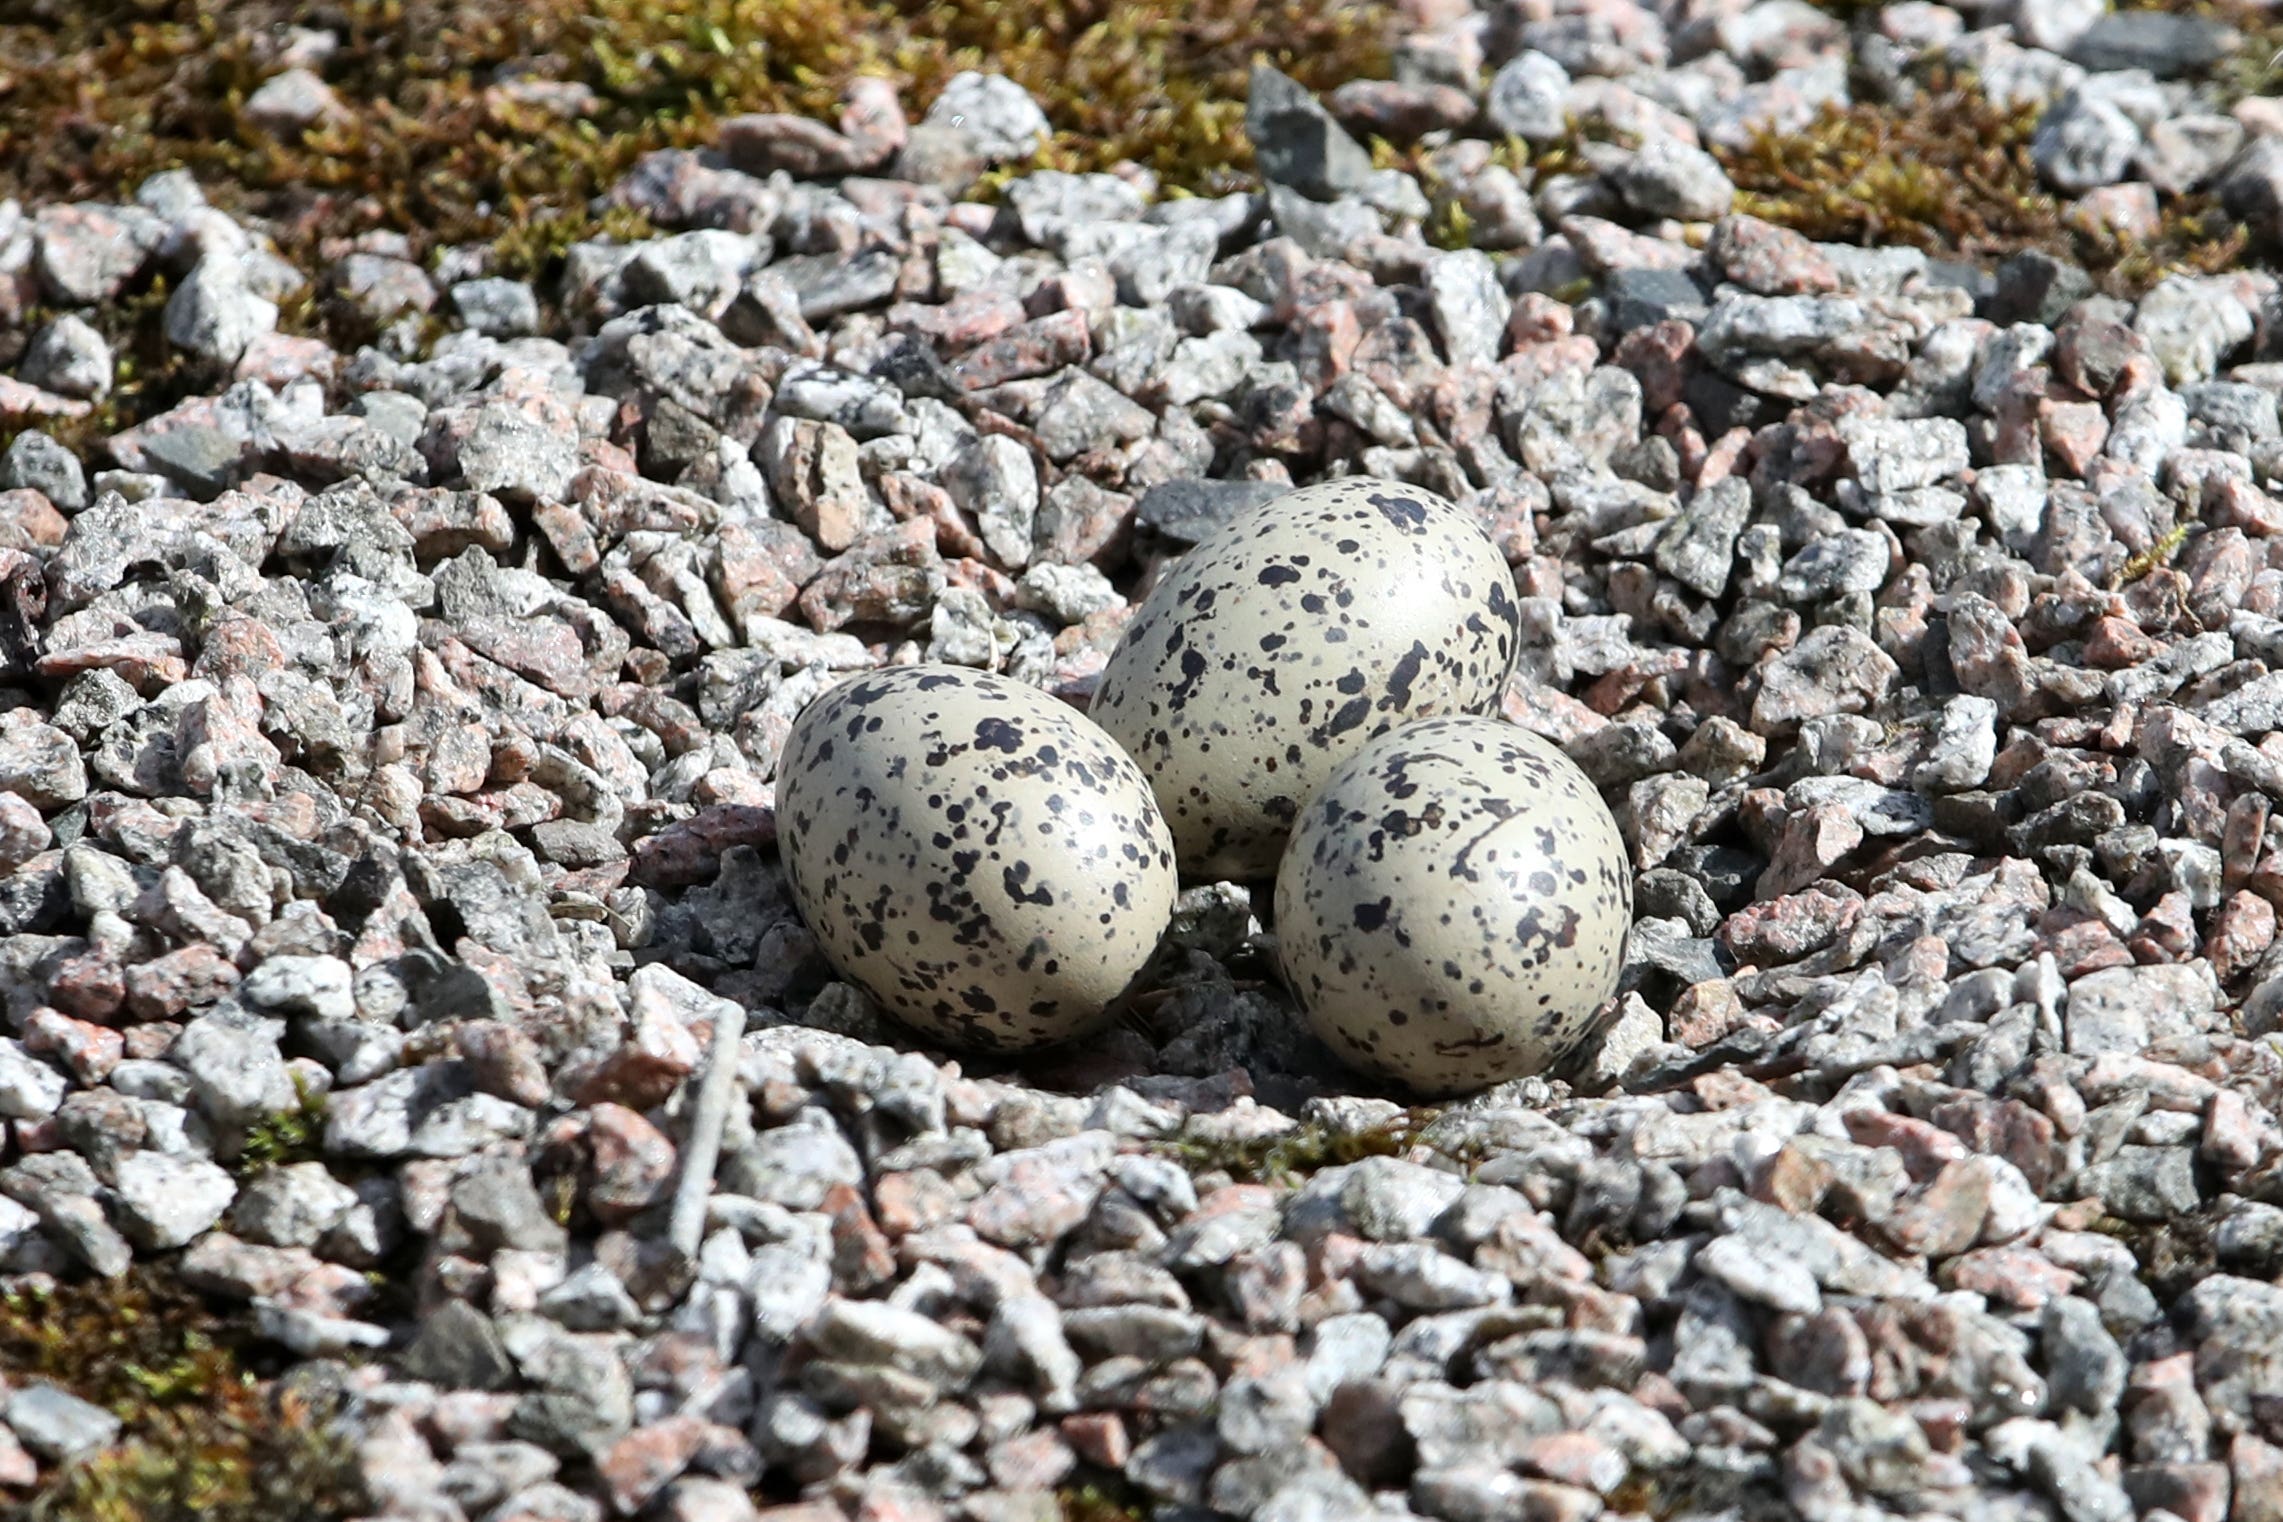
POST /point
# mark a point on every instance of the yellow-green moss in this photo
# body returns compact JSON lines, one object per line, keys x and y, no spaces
{"x":1451,"y":228}
{"x":294,"y":1136}
{"x":1693,"y":1489}
{"x":2158,"y":554}
{"x":1107,"y":1500}
{"x":2175,"y":1255}
{"x":1951,"y":173}
{"x":148,"y":376}
{"x":1948,"y":174}
{"x":529,"y":247}
{"x":202,"y":1441}
{"x":1293,"y":1155}
{"x":99,"y":95}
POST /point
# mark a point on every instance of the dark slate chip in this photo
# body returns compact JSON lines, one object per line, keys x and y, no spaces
{"x":1640,"y":298}
{"x":830,"y":284}
{"x":914,"y":368}
{"x":2166,"y":45}
{"x":1297,"y":143}
{"x":2034,"y":286}
{"x":1187,"y":511}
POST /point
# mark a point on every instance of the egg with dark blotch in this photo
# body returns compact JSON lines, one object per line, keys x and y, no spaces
{"x":1289,"y":637}
{"x":1452,"y":909}
{"x":976,"y":855}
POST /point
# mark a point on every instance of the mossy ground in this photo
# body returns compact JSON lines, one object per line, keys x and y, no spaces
{"x":1949,"y":172}
{"x":1293,"y":1155}
{"x":2176,"y":1255}
{"x":1102,"y":1498}
{"x":204,"y":1439}
{"x":433,"y":143}
{"x":1694,"y":1490}
{"x":97,"y":94}
{"x":148,"y":376}
{"x":294,"y":1136}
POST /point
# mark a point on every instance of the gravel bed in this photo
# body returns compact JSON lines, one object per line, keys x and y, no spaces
{"x":386,"y":771}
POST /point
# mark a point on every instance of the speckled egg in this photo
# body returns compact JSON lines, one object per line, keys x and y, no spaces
{"x":977,"y":856}
{"x":1288,"y":638}
{"x":1453,"y":906}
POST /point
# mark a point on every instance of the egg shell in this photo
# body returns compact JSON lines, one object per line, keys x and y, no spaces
{"x":1288,"y":638}
{"x":976,"y":855}
{"x":1453,"y":906}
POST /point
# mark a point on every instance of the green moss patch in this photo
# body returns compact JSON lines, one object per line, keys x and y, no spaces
{"x":204,"y":1440}
{"x":296,"y":1136}
{"x":1950,"y":173}
{"x":1104,"y":1498}
{"x":2174,"y":1256}
{"x":1692,"y":1489}
{"x":1293,"y":1155}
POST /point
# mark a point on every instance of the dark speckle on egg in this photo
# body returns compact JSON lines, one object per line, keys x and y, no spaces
{"x":1466,"y":942}
{"x":999,"y":894}
{"x":1289,"y":638}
